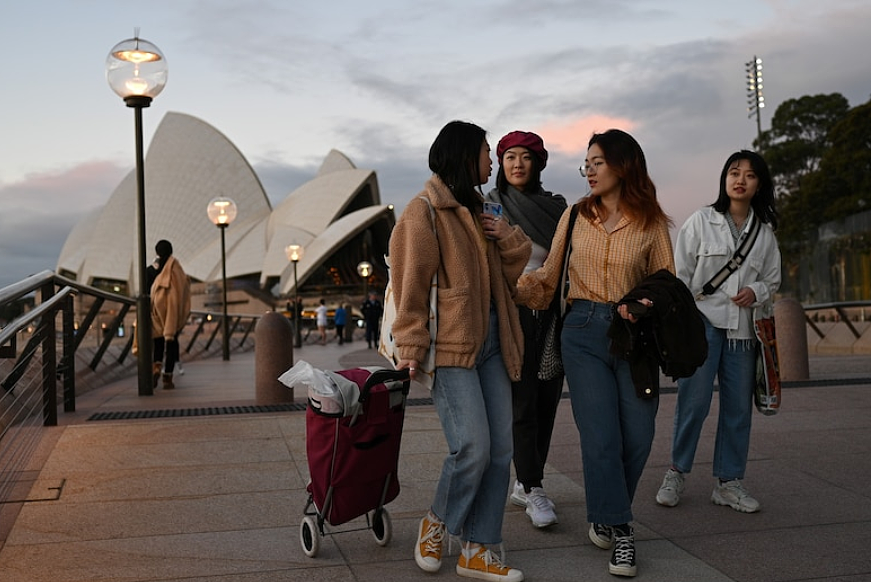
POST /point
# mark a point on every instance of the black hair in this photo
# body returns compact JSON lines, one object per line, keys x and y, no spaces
{"x":763,"y":201}
{"x":164,"y":251}
{"x":454,"y":157}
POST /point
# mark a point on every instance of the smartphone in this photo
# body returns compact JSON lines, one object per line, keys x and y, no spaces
{"x":493,"y":208}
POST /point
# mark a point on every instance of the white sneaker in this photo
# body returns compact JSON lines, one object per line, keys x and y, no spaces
{"x":671,"y":488}
{"x":733,"y":494}
{"x":539,"y":508}
{"x":518,"y":496}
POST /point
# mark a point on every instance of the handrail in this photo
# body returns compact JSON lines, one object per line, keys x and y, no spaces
{"x":13,"y":328}
{"x":837,"y":305}
{"x":25,"y":286}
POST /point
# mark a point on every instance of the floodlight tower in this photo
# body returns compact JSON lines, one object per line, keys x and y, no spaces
{"x":755,"y":99}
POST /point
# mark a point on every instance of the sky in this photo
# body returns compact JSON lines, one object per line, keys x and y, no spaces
{"x":287,"y":81}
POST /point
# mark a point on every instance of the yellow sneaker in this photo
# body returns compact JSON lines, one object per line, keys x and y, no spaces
{"x":484,"y":565}
{"x":428,"y":550}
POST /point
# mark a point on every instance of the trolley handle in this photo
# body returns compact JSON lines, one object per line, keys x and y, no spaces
{"x":382,"y":376}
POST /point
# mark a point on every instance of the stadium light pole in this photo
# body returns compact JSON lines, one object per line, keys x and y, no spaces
{"x":294,"y":254}
{"x":221,"y":212}
{"x":136,"y":70}
{"x":755,"y":98}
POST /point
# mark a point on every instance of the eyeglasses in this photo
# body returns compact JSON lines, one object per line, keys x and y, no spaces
{"x":588,"y":169}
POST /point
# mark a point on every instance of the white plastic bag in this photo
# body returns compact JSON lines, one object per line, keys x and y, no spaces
{"x":323,"y":394}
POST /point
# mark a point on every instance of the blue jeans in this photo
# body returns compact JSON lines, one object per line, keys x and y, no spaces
{"x":616,"y":426}
{"x":734,"y":363}
{"x":474,"y":407}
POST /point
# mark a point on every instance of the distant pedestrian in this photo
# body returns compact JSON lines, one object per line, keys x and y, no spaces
{"x":170,"y":310}
{"x":340,"y":318}
{"x":321,"y":319}
{"x":372,"y":311}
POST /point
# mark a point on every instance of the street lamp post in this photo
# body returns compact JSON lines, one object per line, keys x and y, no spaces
{"x":364,"y":269}
{"x":136,"y":70}
{"x":221,"y":212}
{"x":294,"y":254}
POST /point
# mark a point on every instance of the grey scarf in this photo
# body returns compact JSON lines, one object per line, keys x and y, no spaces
{"x":537,"y":213}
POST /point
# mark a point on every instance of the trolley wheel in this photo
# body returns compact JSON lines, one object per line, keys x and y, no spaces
{"x":309,"y":536}
{"x":382,"y":528}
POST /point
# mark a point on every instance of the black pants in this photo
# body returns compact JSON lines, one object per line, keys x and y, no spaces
{"x":535,"y":404}
{"x":340,"y":333}
{"x":171,"y":348}
{"x":372,"y":335}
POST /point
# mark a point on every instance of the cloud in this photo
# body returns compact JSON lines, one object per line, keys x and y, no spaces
{"x":41,"y":210}
{"x":572,"y":137}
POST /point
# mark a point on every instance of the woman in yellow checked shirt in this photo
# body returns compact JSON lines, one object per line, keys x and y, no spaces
{"x":619,"y":238}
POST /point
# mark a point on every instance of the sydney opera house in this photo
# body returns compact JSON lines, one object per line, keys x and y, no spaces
{"x":337,"y":217}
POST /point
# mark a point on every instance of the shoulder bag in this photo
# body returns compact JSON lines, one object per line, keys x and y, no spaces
{"x":551,"y":362}
{"x":387,"y":343}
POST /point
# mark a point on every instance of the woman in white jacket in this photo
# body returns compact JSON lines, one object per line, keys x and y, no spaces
{"x":705,"y":243}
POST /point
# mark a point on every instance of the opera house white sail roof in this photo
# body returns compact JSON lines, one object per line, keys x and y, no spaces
{"x":336,"y":216}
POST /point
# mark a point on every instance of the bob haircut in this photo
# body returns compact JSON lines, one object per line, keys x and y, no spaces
{"x":454,"y":157}
{"x":534,"y":183}
{"x":763,"y":201}
{"x":625,"y":158}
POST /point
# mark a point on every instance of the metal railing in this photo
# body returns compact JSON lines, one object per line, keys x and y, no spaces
{"x":846,"y":312}
{"x":46,"y":358}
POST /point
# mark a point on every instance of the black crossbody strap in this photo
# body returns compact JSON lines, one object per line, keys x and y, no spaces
{"x":736,"y":261}
{"x":567,"y":250}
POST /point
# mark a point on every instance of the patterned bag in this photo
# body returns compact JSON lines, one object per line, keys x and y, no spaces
{"x":550,"y":364}
{"x":766,"y":394}
{"x":425,"y":374}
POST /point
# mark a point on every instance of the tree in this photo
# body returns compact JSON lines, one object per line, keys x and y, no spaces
{"x":842,"y":186}
{"x":794,"y":147}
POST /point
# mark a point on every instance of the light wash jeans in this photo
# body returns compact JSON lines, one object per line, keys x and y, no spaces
{"x":616,"y":426}
{"x":734,"y":363}
{"x":474,"y":407}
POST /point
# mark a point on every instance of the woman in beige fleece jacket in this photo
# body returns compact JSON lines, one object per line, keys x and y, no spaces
{"x":478,"y":346}
{"x":170,"y":309}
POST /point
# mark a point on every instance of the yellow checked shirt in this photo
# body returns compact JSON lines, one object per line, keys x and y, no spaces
{"x":603,"y":267}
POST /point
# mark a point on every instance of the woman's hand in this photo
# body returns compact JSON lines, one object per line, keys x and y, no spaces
{"x":745,"y":297}
{"x":626,"y":313}
{"x":495,"y":227}
{"x":411,"y":365}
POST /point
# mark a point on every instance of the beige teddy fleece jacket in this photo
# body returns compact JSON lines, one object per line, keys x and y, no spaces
{"x":471,"y":271}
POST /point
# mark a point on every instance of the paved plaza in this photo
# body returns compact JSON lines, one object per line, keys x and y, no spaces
{"x":219,"y":496}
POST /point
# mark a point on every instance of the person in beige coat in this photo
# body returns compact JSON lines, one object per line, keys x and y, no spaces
{"x":478,"y":344}
{"x":170,"y":310}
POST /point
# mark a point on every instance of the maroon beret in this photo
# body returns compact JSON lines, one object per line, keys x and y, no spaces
{"x":525,"y":139}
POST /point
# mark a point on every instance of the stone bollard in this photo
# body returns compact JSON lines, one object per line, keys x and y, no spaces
{"x":273,"y":355}
{"x":791,"y":332}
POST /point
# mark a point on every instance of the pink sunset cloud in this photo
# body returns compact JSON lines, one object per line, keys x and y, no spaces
{"x":572,"y":137}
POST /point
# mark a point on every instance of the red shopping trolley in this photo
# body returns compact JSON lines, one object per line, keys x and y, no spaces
{"x":353,"y":457}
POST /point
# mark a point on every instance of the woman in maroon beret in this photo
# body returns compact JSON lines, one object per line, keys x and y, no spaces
{"x":522,"y":157}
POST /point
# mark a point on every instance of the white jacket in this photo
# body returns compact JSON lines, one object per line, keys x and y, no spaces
{"x":704,"y":245}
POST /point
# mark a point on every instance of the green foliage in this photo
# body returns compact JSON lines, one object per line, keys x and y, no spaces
{"x":799,"y":138}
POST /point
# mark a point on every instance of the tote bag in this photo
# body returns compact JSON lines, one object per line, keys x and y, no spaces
{"x":425,"y":373}
{"x":766,"y":393}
